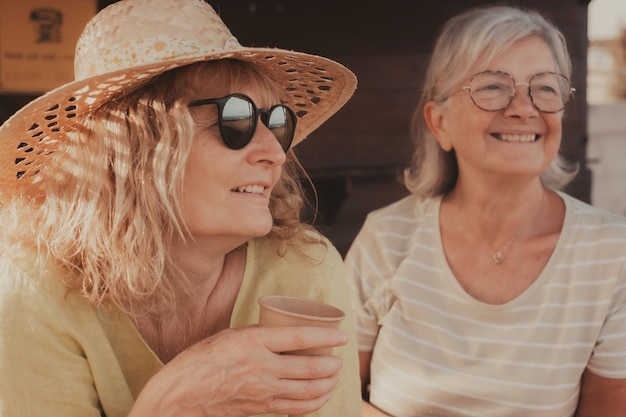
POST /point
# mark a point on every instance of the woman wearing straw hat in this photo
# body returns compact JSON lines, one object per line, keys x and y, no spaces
{"x":488,"y":292}
{"x":146,"y":206}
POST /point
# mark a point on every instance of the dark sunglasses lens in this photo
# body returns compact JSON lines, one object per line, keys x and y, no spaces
{"x":237,"y":122}
{"x":281,"y":122}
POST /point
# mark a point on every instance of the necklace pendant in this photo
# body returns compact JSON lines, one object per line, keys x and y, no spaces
{"x":497,"y":257}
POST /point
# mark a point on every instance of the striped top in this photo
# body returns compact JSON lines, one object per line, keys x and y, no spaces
{"x":437,"y":351}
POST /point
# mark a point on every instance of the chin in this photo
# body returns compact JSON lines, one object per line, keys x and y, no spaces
{"x":261,"y":227}
{"x":263,"y":232}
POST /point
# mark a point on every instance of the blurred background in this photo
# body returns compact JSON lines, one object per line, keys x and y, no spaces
{"x":356,"y":159}
{"x":606,"y":98}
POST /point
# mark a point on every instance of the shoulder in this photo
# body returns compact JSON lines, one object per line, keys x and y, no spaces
{"x":401,"y":222}
{"x":309,"y":248}
{"x":582,"y":216}
{"x":592,"y":238}
{"x":33,"y":283}
{"x":405,"y":229}
{"x":34,"y":298}
{"x":407,"y":212}
{"x":313,"y":270}
{"x":27,"y":269}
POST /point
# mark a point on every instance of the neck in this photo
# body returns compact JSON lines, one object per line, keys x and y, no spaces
{"x":205,"y":304}
{"x":492,"y":208}
{"x":498,"y":224}
{"x":202,"y":261}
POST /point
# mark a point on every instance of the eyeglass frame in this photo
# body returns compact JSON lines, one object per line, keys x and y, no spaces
{"x":513,"y":91}
{"x":257,"y":113}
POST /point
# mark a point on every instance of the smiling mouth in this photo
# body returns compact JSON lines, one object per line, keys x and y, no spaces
{"x":250,"y":189}
{"x":516,"y":138}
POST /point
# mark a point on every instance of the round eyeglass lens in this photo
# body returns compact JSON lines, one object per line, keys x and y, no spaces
{"x":491,"y":91}
{"x":550,"y":92}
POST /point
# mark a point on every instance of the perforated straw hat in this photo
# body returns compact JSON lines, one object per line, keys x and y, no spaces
{"x":130,"y":42}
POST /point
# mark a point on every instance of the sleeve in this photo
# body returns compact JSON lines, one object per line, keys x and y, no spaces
{"x":609,"y":355}
{"x":44,"y":371}
{"x":368,"y":271}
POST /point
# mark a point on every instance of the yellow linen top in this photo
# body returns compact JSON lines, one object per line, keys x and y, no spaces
{"x":62,"y":357}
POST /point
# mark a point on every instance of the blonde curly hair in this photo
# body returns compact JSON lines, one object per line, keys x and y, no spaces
{"x":108,"y":209}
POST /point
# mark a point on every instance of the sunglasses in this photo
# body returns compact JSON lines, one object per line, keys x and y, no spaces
{"x":237,"y":117}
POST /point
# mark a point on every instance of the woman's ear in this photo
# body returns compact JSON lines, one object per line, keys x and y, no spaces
{"x":434,"y":116}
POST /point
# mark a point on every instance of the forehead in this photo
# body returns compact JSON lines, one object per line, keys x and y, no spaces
{"x":524,"y":58}
{"x":221,"y":80}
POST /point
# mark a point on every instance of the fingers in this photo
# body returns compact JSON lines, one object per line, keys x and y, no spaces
{"x":294,"y":389}
{"x":287,"y":339}
{"x":297,"y":407}
{"x":308,"y":367}
{"x":303,"y":397}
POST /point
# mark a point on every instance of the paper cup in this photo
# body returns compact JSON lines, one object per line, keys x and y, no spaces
{"x":283,"y":310}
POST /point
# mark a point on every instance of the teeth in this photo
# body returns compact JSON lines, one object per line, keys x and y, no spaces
{"x":254,"y":189}
{"x":517,"y":138}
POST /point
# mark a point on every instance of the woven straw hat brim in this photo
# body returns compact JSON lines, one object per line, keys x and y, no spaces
{"x":314,"y":87}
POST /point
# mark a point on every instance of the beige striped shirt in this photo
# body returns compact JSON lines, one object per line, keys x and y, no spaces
{"x":439,"y":352}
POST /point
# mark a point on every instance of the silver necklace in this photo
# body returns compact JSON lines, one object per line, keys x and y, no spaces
{"x":498,"y":256}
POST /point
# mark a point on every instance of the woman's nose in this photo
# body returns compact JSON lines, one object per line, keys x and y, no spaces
{"x":521,"y":103}
{"x":264,"y":146}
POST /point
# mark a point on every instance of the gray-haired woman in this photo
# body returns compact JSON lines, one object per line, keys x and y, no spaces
{"x":488,"y":292}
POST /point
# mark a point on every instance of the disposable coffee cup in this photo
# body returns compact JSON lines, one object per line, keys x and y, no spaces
{"x":284,"y":310}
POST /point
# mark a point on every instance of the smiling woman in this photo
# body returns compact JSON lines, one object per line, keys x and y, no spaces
{"x":489,"y":291}
{"x":147,"y":206}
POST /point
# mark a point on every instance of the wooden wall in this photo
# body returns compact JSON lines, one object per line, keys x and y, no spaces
{"x":355,"y":159}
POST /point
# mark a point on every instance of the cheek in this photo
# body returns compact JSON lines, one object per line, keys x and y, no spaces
{"x":555,"y":129}
{"x":204,"y":160}
{"x":200,"y":174}
{"x":467,"y":125}
{"x":193,"y":173}
{"x":445,"y":122}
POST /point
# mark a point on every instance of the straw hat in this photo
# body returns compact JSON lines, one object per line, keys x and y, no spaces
{"x":130,"y":42}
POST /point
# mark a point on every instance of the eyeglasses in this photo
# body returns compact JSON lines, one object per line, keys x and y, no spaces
{"x":494,"y":90}
{"x":238,"y":117}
